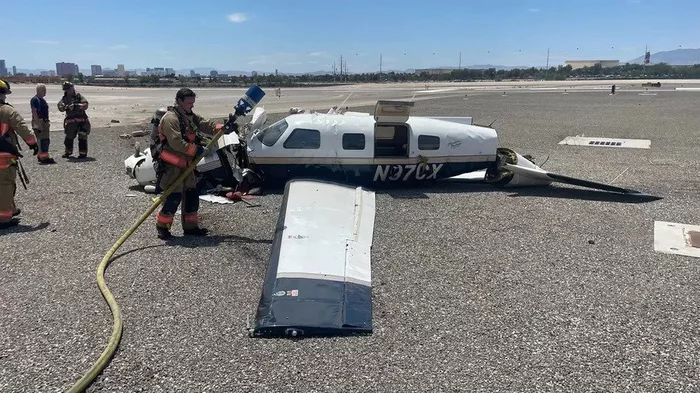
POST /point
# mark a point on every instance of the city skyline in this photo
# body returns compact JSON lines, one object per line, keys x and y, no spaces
{"x":264,"y":36}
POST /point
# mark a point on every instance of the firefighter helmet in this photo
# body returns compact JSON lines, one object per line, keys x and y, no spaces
{"x":5,"y":87}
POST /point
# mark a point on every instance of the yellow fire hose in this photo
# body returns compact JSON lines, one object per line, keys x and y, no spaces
{"x":107,"y":354}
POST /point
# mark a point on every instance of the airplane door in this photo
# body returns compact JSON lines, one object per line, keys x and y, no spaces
{"x":391,"y":133}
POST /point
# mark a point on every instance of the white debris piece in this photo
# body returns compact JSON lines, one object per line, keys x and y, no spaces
{"x":215,"y":199}
{"x":675,"y":238}
{"x":606,"y":142}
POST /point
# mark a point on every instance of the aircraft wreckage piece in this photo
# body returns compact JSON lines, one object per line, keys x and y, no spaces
{"x":390,"y":148}
{"x":513,"y":170}
{"x":318,"y":280}
{"x":606,"y":142}
{"x":677,"y":238}
{"x":220,"y":163}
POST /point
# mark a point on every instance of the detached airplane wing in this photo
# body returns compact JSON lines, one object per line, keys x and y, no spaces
{"x":318,"y":279}
{"x":523,"y":172}
{"x":543,"y":175}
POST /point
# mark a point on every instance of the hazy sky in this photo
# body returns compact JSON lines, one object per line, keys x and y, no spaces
{"x":309,"y":35}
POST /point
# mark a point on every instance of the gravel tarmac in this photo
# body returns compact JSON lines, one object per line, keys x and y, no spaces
{"x":475,"y":288}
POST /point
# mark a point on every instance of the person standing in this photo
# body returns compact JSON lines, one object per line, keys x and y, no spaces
{"x":181,"y":137}
{"x":76,"y":122}
{"x":12,"y":127}
{"x":41,"y":124}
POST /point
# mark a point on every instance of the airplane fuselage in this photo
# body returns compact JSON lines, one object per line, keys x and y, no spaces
{"x":362,"y":150}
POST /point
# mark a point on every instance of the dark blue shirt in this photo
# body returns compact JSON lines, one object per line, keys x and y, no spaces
{"x":42,"y":108}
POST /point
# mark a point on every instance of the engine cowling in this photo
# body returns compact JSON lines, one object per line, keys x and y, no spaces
{"x":499,"y":176}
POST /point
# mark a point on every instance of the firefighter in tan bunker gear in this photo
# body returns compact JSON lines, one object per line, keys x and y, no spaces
{"x":76,"y":122}
{"x":181,"y":140}
{"x":12,"y":126}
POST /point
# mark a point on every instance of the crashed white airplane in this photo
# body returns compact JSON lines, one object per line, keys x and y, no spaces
{"x":391,"y":147}
{"x":318,"y":280}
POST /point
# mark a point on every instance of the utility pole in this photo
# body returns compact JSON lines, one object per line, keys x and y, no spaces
{"x":647,"y":58}
{"x":546,"y":69}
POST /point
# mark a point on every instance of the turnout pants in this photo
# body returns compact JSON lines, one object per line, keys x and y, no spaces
{"x":41,"y":130}
{"x":79,"y":128}
{"x":8,"y":187}
{"x":186,"y":195}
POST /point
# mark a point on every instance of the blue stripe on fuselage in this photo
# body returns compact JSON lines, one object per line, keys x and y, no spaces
{"x":369,"y":174}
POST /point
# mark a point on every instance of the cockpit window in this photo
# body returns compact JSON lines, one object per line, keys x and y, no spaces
{"x":272,"y":133}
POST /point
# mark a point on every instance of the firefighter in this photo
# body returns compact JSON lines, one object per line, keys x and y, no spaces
{"x":181,"y":140}
{"x":12,"y":125}
{"x":76,"y":122}
{"x":41,"y":124}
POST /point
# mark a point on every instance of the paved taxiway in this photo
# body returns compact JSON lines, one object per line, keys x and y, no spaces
{"x":475,"y":288}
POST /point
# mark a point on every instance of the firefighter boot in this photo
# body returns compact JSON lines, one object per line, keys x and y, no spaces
{"x":196,"y":231}
{"x":68,"y":142}
{"x":82,"y":145}
{"x":164,"y":233}
{"x":164,"y":219}
{"x":43,"y":156}
{"x":190,"y":218}
{"x":13,"y":222}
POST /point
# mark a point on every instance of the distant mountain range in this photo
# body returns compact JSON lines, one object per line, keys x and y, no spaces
{"x":672,"y":57}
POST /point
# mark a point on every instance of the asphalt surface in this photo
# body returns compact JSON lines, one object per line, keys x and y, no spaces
{"x":474,"y":288}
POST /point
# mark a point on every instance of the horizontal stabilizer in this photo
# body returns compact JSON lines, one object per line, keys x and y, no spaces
{"x":318,"y":279}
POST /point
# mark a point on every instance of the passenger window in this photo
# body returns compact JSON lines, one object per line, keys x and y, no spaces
{"x":302,"y":138}
{"x":428,"y":142}
{"x":271,"y":134}
{"x":354,"y":141}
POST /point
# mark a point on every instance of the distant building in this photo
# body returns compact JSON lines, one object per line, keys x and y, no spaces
{"x":14,"y":70}
{"x":120,"y":70}
{"x":590,"y":63}
{"x":3,"y":69}
{"x":65,"y":69}
{"x":96,"y":69}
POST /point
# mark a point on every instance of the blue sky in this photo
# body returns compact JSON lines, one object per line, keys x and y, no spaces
{"x":310,"y":35}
